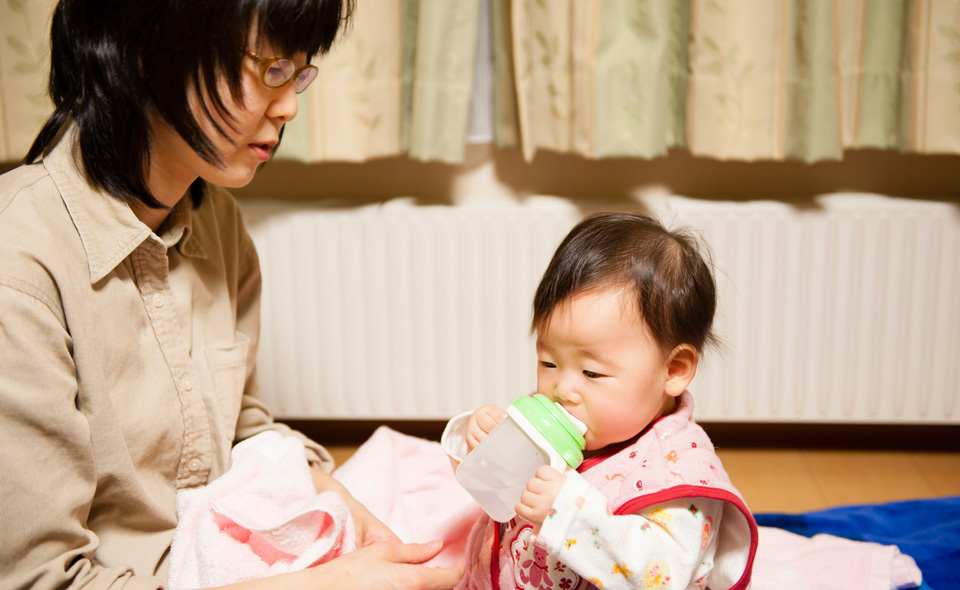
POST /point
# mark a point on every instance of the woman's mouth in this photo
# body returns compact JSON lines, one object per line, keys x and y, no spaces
{"x":263,"y":151}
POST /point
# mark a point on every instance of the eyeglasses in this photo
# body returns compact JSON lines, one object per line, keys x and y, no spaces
{"x":277,"y":71}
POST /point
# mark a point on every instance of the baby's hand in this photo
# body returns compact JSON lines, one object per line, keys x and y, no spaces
{"x":536,"y":502}
{"x":481,"y":423}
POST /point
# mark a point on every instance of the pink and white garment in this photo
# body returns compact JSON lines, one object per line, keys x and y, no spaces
{"x":657,"y":511}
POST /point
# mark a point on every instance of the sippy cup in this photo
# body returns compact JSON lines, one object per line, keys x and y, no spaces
{"x":535,"y":432}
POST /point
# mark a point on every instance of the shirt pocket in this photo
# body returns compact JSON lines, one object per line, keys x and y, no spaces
{"x":228,"y":370}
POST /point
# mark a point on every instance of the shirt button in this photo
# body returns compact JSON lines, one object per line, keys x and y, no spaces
{"x":186,"y":384}
{"x":159,"y":300}
{"x":194,"y":465}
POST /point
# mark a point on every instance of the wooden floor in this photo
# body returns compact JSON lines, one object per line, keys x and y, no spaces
{"x":803,"y":480}
{"x":800,"y":480}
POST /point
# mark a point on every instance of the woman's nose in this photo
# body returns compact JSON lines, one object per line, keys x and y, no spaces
{"x":283,"y":107}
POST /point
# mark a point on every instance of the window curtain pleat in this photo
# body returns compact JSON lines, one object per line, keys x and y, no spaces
{"x":443,"y":76}
{"x":506,"y":133}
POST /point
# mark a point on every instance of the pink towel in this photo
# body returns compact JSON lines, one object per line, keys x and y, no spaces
{"x":261,"y":518}
{"x":407,"y":482}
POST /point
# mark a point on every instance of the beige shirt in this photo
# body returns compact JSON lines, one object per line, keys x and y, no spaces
{"x":127,"y":372}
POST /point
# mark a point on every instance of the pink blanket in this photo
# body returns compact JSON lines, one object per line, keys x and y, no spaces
{"x":786,"y":560}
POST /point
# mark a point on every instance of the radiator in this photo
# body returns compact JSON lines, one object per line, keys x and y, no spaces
{"x":844,"y":310}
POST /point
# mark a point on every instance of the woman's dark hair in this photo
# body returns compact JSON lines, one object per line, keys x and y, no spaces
{"x":675,"y":292}
{"x":115,"y":61}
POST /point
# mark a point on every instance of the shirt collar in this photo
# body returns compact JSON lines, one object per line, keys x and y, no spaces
{"x":177,"y":230}
{"x":107,"y":226}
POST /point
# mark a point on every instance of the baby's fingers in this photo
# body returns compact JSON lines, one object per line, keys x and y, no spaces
{"x":489,"y":416}
{"x":534,"y":507}
{"x":481,"y":423}
{"x":547,"y":474}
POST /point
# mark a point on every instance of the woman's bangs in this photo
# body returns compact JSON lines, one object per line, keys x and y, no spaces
{"x":302,"y":26}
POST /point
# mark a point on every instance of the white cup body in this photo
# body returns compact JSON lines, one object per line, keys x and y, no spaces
{"x":496,"y":472}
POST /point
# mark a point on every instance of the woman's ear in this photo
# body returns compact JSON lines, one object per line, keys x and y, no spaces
{"x":681,"y":367}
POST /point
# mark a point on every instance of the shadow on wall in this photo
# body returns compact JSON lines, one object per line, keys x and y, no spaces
{"x":490,"y":173}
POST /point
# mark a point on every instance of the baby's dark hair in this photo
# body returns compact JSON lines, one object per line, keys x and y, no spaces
{"x":675,"y":292}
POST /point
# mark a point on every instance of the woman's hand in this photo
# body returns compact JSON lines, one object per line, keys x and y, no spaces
{"x":481,"y":423}
{"x":388,"y":566}
{"x":536,"y":502}
{"x":368,"y":528}
{"x":380,"y":566}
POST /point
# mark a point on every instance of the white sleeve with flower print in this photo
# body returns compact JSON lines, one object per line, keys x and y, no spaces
{"x":666,"y":546}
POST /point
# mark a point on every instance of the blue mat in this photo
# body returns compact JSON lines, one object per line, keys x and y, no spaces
{"x":926,"y":530}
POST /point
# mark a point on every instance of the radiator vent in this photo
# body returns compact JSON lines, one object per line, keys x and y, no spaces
{"x":846,"y":311}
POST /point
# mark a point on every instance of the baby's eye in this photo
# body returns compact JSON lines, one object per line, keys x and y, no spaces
{"x":592,"y":375}
{"x":548,"y":365}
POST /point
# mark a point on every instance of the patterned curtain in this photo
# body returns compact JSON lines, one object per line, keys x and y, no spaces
{"x":24,"y":49}
{"x":398,"y":82}
{"x":727,"y":79}
{"x":736,"y":79}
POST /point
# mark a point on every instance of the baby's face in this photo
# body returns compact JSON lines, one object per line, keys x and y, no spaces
{"x":602,"y":364}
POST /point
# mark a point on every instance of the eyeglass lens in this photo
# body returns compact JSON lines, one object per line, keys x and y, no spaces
{"x":280,"y":71}
{"x":304,"y":79}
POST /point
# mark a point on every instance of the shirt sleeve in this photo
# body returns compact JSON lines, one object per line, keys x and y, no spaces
{"x":254,"y":416}
{"x":665,"y":546}
{"x":48,"y":479}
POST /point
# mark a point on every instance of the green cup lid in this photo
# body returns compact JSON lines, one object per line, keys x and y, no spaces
{"x":551,"y":422}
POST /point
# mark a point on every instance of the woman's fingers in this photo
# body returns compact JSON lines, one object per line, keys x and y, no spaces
{"x":416,"y":575}
{"x":383,"y":566}
{"x":413,"y":553}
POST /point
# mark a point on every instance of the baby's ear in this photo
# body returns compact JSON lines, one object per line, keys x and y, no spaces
{"x":681,"y":367}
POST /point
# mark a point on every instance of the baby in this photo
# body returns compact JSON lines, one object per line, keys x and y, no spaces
{"x":621,"y":316}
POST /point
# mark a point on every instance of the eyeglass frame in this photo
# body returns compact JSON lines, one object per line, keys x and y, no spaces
{"x":264,"y":63}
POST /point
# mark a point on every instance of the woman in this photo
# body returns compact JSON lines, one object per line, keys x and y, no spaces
{"x":129,"y":290}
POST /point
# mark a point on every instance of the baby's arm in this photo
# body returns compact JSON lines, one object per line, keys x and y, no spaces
{"x":481,"y":423}
{"x":669,"y":545}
